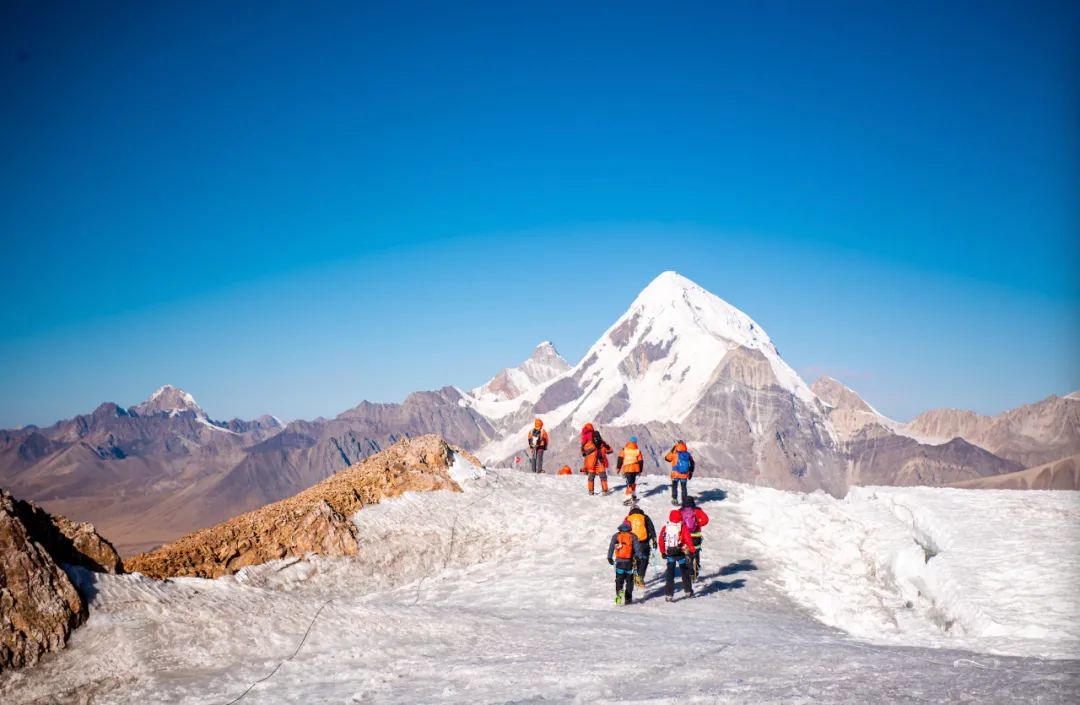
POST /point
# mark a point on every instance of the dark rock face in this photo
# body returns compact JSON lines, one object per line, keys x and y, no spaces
{"x":39,"y":605}
{"x":69,"y":543}
{"x":890,"y":459}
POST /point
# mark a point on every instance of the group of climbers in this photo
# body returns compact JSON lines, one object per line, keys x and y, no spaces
{"x":630,"y":548}
{"x":679,"y":543}
{"x":630,"y":462}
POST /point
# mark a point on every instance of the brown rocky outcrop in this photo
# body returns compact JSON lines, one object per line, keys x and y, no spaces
{"x":317,"y":520}
{"x":39,"y":606}
{"x":70,"y":542}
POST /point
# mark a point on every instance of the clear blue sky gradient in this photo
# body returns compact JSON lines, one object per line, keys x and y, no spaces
{"x":288,"y":207}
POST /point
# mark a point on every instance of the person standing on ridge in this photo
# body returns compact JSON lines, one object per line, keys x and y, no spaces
{"x":538,"y":443}
{"x":682,"y":469}
{"x":693,"y":519}
{"x":622,"y":551}
{"x":595,"y":451}
{"x":643,"y":529}
{"x":675,"y":545}
{"x":630,"y":464}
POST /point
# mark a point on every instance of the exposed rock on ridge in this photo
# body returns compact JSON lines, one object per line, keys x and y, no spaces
{"x":39,"y":605}
{"x":317,"y":520}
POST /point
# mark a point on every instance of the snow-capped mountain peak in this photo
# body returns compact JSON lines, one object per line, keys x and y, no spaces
{"x":686,"y":306}
{"x":682,"y":362}
{"x":669,"y":344}
{"x":544,"y":364}
{"x":169,"y":400}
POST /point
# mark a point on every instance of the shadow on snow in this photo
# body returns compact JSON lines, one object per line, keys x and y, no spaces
{"x":708,"y":584}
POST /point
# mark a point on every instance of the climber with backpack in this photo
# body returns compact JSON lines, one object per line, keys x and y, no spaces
{"x":538,"y":443}
{"x":595,"y":451}
{"x":694,"y":518}
{"x":682,"y":470}
{"x":630,"y":464}
{"x":622,"y":551}
{"x":642,"y":527}
{"x":676,"y":545}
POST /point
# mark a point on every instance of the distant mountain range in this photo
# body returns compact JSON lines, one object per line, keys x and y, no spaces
{"x":680,"y":363}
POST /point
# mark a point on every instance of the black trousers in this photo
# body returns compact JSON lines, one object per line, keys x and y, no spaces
{"x":538,"y":460}
{"x":676,"y":483}
{"x":669,"y":576}
{"x":624,"y":579}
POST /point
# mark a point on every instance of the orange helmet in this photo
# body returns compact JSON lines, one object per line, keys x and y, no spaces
{"x":538,"y":423}
{"x":587,"y":427}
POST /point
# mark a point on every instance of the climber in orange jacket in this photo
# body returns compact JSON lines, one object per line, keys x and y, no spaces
{"x":565,"y":470}
{"x":623,"y":550}
{"x":682,"y":469}
{"x":538,"y":443}
{"x":595,"y":451}
{"x":630,"y":463}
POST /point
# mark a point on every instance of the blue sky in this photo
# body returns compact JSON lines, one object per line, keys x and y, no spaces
{"x":288,"y":209}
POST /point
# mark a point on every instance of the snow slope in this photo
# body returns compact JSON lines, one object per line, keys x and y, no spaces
{"x":501,"y":594}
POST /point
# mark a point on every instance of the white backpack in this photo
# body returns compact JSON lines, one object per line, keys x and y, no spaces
{"x":673,"y":537}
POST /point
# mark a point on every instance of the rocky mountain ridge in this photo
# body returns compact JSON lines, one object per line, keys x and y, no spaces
{"x":317,"y":520}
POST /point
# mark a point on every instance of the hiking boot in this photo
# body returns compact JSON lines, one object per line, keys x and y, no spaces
{"x":629,"y":601}
{"x":619,"y":598}
{"x":690,"y":594}
{"x":669,"y":598}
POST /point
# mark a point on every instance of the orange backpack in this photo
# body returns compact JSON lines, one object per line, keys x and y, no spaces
{"x":637,"y":526}
{"x":624,"y":548}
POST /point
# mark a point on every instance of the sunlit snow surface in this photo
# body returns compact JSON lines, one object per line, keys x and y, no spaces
{"x":501,"y":594}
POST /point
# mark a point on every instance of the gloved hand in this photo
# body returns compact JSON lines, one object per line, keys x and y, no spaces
{"x":610,"y":561}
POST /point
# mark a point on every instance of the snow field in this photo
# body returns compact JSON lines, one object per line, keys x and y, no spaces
{"x":991,"y":571}
{"x":501,"y":594}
